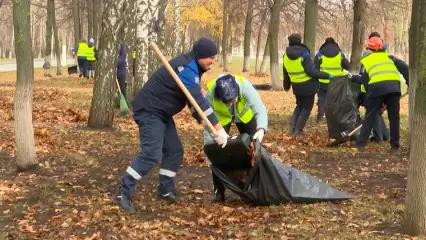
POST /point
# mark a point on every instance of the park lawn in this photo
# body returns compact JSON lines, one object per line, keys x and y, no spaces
{"x":69,"y":195}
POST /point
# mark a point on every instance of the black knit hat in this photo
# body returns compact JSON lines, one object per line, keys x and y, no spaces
{"x":295,"y":38}
{"x":330,"y":40}
{"x":374,"y":34}
{"x":204,"y":48}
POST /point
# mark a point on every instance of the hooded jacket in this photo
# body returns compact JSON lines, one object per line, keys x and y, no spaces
{"x":311,"y":86}
{"x":330,"y":50}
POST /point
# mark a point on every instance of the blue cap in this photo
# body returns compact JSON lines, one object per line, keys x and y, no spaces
{"x":227,"y":88}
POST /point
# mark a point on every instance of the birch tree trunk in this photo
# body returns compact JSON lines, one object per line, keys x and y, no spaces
{"x":176,"y":50}
{"x":56,"y":40}
{"x":90,"y":9}
{"x":415,"y":200}
{"x":130,"y":41}
{"x":414,"y":35}
{"x":102,"y":107}
{"x":273,"y":44}
{"x":247,"y":36}
{"x":23,"y":100}
{"x":153,"y":29}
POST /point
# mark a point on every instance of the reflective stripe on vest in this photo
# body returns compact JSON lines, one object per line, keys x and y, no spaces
{"x":83,"y":50}
{"x":331,"y":65}
{"x":363,"y":89}
{"x":380,"y":68}
{"x":91,"y":54}
{"x":223,"y":113}
{"x":134,"y":54}
{"x":295,"y":70}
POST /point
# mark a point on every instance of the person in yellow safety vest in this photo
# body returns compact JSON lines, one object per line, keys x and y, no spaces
{"x":300,"y":74}
{"x":332,"y":60}
{"x":234,"y":100}
{"x":91,"y":58}
{"x":82,"y":53}
{"x":380,"y":75}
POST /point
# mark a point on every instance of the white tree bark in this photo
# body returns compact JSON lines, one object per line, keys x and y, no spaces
{"x":145,"y":16}
{"x":176,"y":29}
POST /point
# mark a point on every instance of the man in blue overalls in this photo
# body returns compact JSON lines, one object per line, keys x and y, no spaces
{"x":153,"y":110}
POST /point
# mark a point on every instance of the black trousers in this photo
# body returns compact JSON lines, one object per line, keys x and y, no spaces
{"x":373,"y":107}
{"x":250,"y":128}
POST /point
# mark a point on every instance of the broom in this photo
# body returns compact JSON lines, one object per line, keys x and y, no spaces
{"x":124,"y":109}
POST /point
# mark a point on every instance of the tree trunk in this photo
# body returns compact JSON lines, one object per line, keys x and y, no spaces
{"x":57,"y":44}
{"x":153,"y":30}
{"x":102,"y":107}
{"x":96,"y":19}
{"x":259,"y":37}
{"x":130,"y":41}
{"x":23,"y":100}
{"x":247,"y":36}
{"x":273,"y":44}
{"x":311,"y":12}
{"x":415,"y":200}
{"x":225,"y":36}
{"x":90,"y":10}
{"x":414,"y":34}
{"x":176,"y":50}
{"x":162,"y":20}
{"x":48,"y":48}
{"x":76,"y":17}
{"x":266,"y":54}
{"x":358,"y":34}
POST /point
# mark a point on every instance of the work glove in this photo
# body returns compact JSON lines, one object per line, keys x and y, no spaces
{"x":222,"y":137}
{"x":259,"y":134}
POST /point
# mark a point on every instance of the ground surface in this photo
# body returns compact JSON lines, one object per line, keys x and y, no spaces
{"x":68,"y":196}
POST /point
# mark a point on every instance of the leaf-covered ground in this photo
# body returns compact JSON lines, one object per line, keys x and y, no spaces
{"x":69,"y":195}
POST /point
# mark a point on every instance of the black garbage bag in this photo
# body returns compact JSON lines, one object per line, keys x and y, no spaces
{"x":341,"y":106}
{"x":262,"y":179}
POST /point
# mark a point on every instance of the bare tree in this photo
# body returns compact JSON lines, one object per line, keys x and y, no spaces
{"x":273,"y":43}
{"x":57,"y":46}
{"x":415,"y":201}
{"x":310,"y":29}
{"x":22,"y":111}
{"x":247,"y":36}
{"x":76,"y":17}
{"x":358,"y":33}
{"x":259,"y":37}
{"x":49,"y":28}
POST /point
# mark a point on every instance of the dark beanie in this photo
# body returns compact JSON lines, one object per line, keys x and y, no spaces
{"x":204,"y":48}
{"x":295,"y":38}
{"x":330,"y":40}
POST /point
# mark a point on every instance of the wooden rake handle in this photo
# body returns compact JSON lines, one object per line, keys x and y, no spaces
{"x":183,"y":88}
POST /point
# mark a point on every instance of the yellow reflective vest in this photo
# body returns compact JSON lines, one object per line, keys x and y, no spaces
{"x":83,"y":50}
{"x":295,"y":70}
{"x":380,"y":68}
{"x":331,"y":65}
{"x":91,"y":54}
{"x":223,"y":113}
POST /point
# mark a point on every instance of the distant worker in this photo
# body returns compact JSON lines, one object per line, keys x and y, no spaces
{"x":300,"y":74}
{"x":332,"y":60}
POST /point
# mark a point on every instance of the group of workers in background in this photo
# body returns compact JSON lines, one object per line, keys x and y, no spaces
{"x":379,"y":77}
{"x":231,"y":99}
{"x":87,"y":54}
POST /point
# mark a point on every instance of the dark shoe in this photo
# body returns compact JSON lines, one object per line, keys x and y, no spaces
{"x":300,"y":125}
{"x":125,"y":204}
{"x":291,"y":125}
{"x":170,"y":197}
{"x":394,"y":149}
{"x":80,"y":75}
{"x":219,"y":196}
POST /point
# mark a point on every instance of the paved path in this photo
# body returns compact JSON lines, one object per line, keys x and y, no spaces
{"x":10,"y":66}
